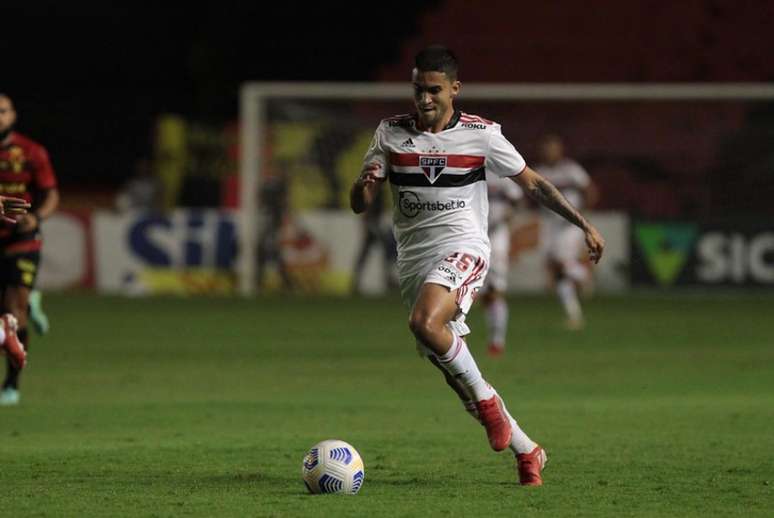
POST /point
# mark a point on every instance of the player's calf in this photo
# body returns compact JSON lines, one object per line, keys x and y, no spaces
{"x":498,"y":428}
{"x":461,"y":366}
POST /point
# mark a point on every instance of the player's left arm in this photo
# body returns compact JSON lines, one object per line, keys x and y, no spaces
{"x":545,"y":193}
{"x":48,"y":204}
{"x":48,"y":197}
{"x":11,"y":208}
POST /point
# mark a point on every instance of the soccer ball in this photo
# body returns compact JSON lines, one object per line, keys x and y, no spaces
{"x":333,"y":467}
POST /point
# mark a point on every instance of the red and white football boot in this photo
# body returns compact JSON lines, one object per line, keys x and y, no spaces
{"x":498,"y":428}
{"x":530,"y":465}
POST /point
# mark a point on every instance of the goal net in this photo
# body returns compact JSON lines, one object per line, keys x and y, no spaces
{"x":659,"y":151}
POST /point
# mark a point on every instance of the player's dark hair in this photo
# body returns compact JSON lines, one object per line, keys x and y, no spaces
{"x":437,"y":58}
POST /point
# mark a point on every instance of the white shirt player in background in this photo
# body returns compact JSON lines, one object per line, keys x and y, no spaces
{"x":435,"y":162}
{"x":503,"y":197}
{"x":561,"y":243}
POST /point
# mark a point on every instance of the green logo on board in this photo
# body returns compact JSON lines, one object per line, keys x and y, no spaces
{"x":666,"y":248}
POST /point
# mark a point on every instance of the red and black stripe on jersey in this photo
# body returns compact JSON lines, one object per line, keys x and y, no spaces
{"x":417,"y":178}
{"x":445,"y":180}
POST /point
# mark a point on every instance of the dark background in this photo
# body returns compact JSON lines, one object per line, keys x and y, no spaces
{"x":88,"y":81}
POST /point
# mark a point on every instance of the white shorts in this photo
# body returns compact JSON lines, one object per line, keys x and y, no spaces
{"x":562,"y":244}
{"x":497,"y":278}
{"x":462,"y":271}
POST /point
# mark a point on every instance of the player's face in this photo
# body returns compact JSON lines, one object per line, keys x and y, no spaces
{"x":552,"y":150}
{"x":433,"y":96}
{"x":7,"y":115}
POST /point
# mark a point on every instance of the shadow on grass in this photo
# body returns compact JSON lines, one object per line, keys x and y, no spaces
{"x":271,"y":484}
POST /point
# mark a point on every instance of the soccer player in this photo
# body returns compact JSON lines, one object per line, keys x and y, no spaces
{"x":561,"y":242}
{"x":9,"y":342}
{"x":25,"y":171}
{"x":435,"y":161}
{"x":503,"y":196}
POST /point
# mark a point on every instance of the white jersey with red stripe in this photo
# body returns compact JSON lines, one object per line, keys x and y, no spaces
{"x":438,"y":183}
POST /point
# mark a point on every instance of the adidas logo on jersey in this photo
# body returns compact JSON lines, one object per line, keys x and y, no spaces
{"x":408,"y":143}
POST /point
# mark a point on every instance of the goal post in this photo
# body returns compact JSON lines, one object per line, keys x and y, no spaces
{"x":264,"y":105}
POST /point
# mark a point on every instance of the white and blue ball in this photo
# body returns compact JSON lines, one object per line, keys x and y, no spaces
{"x":333,"y":467}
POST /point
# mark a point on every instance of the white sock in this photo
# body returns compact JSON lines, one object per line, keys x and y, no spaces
{"x":569,"y":299}
{"x":460,"y":363}
{"x":520,"y":442}
{"x":497,"y":321}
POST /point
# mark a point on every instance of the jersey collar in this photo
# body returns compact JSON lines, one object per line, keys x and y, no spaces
{"x":455,"y":118}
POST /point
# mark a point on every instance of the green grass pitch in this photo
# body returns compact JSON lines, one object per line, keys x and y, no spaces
{"x":663,"y":406}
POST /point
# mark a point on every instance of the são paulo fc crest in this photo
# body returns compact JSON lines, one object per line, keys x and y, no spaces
{"x":432,"y":166}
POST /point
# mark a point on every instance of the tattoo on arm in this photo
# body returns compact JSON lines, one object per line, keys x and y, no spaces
{"x":544,"y":192}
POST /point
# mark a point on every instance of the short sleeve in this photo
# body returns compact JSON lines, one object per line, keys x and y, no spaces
{"x":377,"y":153}
{"x":44,"y":176}
{"x":503,"y":159}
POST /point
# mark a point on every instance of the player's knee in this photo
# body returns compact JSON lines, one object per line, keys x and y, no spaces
{"x":422,"y":325}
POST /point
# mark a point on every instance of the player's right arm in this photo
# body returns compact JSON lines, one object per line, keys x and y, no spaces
{"x":365,"y":188}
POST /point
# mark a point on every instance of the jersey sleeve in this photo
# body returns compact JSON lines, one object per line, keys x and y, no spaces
{"x":44,"y":177}
{"x":377,"y":153}
{"x":502,"y":158}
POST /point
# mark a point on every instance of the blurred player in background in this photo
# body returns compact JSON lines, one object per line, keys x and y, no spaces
{"x":26,"y":172}
{"x":143,"y":191}
{"x":561,"y":242}
{"x":435,"y":160}
{"x":503,"y":197}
